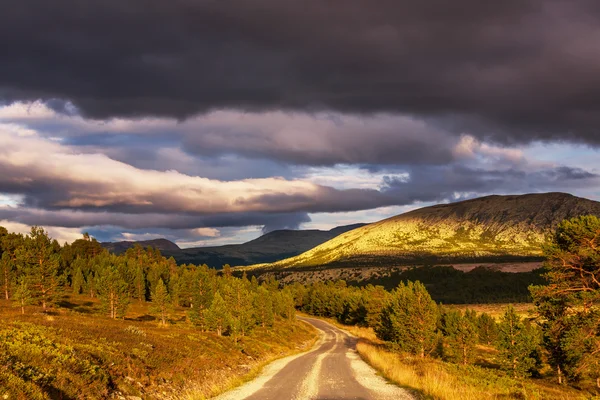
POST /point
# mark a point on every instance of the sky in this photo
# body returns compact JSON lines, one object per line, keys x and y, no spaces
{"x":213,"y":122}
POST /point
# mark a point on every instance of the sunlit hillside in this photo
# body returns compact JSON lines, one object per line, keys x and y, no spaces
{"x":487,"y":228}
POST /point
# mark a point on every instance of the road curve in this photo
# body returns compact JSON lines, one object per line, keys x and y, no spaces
{"x":332,"y":370}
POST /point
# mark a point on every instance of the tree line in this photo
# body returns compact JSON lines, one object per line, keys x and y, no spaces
{"x":36,"y":270}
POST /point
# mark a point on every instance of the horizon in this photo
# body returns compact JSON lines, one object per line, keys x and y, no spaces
{"x":322,"y":230}
{"x":218,"y":135}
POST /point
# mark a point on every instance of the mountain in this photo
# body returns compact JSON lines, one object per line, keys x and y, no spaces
{"x":271,"y":247}
{"x":492,"y":228}
{"x":164,"y":245}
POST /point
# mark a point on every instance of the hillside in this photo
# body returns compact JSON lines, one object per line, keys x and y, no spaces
{"x":164,"y":245}
{"x":271,"y":247}
{"x":484,"y":229}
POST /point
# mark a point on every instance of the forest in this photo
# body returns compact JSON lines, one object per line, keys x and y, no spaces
{"x":41,"y":277}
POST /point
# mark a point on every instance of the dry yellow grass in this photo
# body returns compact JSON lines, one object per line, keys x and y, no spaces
{"x":434,"y":379}
{"x":524,"y":310}
{"x":427,"y":377}
{"x":438,"y":380}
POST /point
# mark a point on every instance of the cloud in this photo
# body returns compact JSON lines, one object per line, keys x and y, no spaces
{"x":303,"y":138}
{"x":53,"y":176}
{"x":61,"y":234}
{"x":286,"y":221}
{"x":438,"y":184}
{"x":513,"y":70}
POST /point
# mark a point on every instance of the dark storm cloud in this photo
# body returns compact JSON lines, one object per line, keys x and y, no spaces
{"x":446,"y":183}
{"x":513,"y":70}
{"x":286,"y":221}
{"x":76,"y":219}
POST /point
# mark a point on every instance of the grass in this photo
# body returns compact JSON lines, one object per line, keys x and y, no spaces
{"x":524,"y":310}
{"x":72,"y":352}
{"x":431,"y":378}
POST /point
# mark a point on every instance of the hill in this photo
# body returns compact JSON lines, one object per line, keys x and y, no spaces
{"x":164,"y":245}
{"x":271,"y":247}
{"x":492,"y":228}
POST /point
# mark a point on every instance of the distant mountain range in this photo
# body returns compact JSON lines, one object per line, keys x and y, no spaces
{"x":271,"y":247}
{"x":492,"y":228}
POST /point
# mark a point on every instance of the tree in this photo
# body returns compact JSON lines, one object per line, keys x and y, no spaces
{"x":39,"y":259}
{"x":7,"y":269}
{"x":239,"y":298}
{"x":487,"y":329}
{"x":22,"y":296}
{"x":140,"y":283}
{"x":462,"y":334}
{"x":569,"y":304}
{"x":217,"y":316}
{"x":78,"y":281}
{"x":409,"y":319}
{"x":516,"y":342}
{"x":161,"y":302}
{"x":10,"y":243}
{"x":263,"y":307}
{"x":113,"y":293}
{"x":91,"y":285}
{"x":203,"y":291}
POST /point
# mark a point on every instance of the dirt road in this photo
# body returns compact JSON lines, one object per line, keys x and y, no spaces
{"x":332,"y":370}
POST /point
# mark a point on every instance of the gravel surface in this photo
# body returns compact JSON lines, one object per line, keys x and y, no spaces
{"x":331,"y":370}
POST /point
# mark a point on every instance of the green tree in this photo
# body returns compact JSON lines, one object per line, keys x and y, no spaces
{"x":217,"y":316}
{"x":91,"y":284}
{"x":140,"y":283}
{"x":409,"y":319}
{"x":569,"y":303}
{"x":40,"y":262}
{"x":203,"y":288}
{"x":161,"y":302}
{"x":516,"y":343}
{"x":10,"y":244}
{"x":263,"y":307}
{"x":7,"y":269}
{"x":487,"y":329}
{"x":113,"y":293}
{"x":240,"y":300}
{"x":461,"y":332}
{"x":22,"y":296}
{"x":78,"y":281}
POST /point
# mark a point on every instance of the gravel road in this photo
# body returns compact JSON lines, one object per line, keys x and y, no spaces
{"x":332,"y":370}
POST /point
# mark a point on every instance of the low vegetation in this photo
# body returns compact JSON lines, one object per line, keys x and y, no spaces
{"x":78,"y":322}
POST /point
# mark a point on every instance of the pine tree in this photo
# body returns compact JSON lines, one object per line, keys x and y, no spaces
{"x":570,"y":301}
{"x":581,"y":344}
{"x":22,"y":296}
{"x":239,"y":298}
{"x":217,"y":316}
{"x":78,"y":282}
{"x":487,"y":329}
{"x":516,"y":342}
{"x":40,"y":262}
{"x":7,"y":269}
{"x":263,"y":307}
{"x":203,"y":291}
{"x":161,"y":302}
{"x":113,"y":293}
{"x":288,"y":305}
{"x":462,"y":334}
{"x":140,"y":283}
{"x":409,"y":319}
{"x":91,"y":284}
